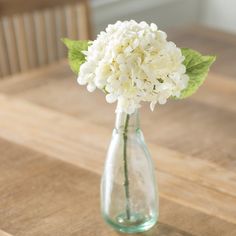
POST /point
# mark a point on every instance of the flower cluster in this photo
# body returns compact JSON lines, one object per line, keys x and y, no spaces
{"x":133,"y":62}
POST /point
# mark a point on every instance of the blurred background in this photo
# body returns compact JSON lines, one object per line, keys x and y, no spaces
{"x":218,"y":14}
{"x":30,"y":30}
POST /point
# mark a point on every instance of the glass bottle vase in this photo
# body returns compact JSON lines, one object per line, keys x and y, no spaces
{"x":129,"y":200}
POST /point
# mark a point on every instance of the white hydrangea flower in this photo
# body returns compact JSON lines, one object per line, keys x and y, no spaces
{"x":133,"y":62}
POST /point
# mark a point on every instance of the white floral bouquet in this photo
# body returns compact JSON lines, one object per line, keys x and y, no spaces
{"x":133,"y":62}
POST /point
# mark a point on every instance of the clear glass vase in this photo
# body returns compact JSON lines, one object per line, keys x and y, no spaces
{"x":129,"y":200}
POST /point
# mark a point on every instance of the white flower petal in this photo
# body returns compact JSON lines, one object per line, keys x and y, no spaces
{"x":134,"y":62}
{"x":110,"y":98}
{"x":152,"y":105}
{"x":81,"y":80}
{"x":162,"y":100}
{"x":153,"y":27}
{"x":91,"y":87}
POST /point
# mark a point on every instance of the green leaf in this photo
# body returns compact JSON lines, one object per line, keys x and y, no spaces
{"x":75,"y":55}
{"x":197,"y":67}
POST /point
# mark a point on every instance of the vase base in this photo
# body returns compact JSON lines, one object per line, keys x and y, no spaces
{"x":135,"y":224}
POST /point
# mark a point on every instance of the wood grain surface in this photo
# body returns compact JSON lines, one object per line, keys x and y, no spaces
{"x":53,"y":140}
{"x":30,"y":32}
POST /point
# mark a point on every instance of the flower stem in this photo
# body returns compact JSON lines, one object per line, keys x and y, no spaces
{"x":126,"y":175}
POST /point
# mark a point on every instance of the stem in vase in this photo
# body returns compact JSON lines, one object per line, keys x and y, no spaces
{"x":126,"y":176}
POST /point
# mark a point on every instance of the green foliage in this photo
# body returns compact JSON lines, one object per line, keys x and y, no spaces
{"x":75,"y":55}
{"x":197,"y":67}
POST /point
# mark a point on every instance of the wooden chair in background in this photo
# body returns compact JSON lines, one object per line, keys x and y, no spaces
{"x":30,"y":31}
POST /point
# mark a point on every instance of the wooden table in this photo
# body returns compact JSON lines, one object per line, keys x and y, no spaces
{"x":53,"y":140}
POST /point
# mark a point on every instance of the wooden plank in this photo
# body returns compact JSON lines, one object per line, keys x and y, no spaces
{"x":207,"y":94}
{"x":157,"y":149}
{"x":10,"y":37}
{"x":205,"y":113}
{"x":192,"y":221}
{"x":84,"y":24}
{"x":71,"y":21}
{"x":215,"y":85}
{"x":65,"y":23}
{"x":4,"y":63}
{"x":41,"y":39}
{"x":31,"y":39}
{"x":19,"y":6}
{"x":21,"y":42}
{"x":61,"y":31}
{"x":51,"y":35}
{"x":209,"y":41}
{"x":3,"y":233}
{"x":198,"y":130}
{"x":65,"y":144}
{"x":44,"y":196}
{"x":212,"y":107}
{"x":34,"y":77}
{"x":202,"y":172}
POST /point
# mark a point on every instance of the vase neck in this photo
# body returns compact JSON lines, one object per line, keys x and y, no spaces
{"x":126,"y":121}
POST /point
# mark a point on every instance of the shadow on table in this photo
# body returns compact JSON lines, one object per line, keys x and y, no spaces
{"x":162,"y":230}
